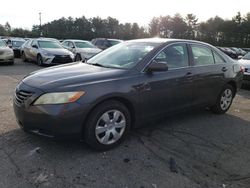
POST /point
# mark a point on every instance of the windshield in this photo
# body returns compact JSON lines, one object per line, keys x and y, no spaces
{"x":17,"y":43}
{"x":84,"y":45}
{"x":2,"y":43}
{"x":124,"y":55}
{"x":247,"y":56}
{"x":49,"y":44}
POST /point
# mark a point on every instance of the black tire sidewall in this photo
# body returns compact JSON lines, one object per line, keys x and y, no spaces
{"x":217,"y":108}
{"x":89,"y":129}
{"x":39,"y":60}
{"x":78,"y":57}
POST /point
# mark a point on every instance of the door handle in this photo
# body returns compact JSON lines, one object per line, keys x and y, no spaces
{"x":189,"y":74}
{"x":224,"y":69}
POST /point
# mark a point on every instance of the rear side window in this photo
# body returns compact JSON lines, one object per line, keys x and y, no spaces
{"x":99,"y":42}
{"x":202,"y":55}
{"x":218,"y":59}
{"x":175,"y":56}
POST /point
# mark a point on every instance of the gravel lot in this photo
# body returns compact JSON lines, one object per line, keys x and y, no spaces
{"x":194,"y":149}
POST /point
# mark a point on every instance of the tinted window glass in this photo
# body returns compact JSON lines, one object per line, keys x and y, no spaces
{"x":99,"y":42}
{"x":217,"y":58}
{"x":202,"y":55}
{"x":2,"y":43}
{"x":84,"y":45}
{"x":175,"y":56}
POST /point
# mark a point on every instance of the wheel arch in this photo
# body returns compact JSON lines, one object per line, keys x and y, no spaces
{"x":128,"y":104}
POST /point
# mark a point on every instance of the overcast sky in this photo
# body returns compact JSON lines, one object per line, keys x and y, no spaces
{"x":26,"y":13}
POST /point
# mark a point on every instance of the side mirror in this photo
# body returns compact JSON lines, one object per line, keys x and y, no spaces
{"x":35,"y":46}
{"x":157,"y":67}
{"x":240,"y":56}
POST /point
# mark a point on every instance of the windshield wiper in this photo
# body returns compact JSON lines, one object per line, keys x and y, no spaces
{"x":99,"y":65}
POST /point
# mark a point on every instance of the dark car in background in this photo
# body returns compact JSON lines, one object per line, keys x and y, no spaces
{"x":123,"y":87}
{"x":229,"y":52}
{"x":239,"y":51}
{"x":16,"y":44}
{"x":104,"y":43}
{"x":46,"y":51}
{"x":82,"y":49}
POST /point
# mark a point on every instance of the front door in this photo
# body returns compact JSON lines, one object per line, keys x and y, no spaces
{"x":171,"y":90}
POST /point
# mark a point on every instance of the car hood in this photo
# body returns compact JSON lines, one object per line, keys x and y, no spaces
{"x":56,"y":51}
{"x":245,"y":63}
{"x":70,"y":75}
{"x":89,"y":50}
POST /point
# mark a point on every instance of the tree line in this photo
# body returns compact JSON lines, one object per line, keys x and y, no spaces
{"x":216,"y":31}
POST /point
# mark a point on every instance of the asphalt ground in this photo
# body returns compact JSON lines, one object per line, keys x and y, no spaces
{"x":196,"y":149}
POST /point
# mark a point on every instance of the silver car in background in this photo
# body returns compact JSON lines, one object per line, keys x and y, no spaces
{"x":245,"y":62}
{"x":82,"y":49}
{"x":6,"y":53}
{"x":45,"y":51}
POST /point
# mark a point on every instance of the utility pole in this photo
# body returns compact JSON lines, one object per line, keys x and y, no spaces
{"x":40,"y":19}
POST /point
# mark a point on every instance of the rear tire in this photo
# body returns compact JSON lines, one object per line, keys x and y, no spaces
{"x":107,"y":125}
{"x":224,"y":100}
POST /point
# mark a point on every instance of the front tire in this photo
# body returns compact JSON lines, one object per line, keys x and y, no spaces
{"x":107,"y":125}
{"x":78,"y":57}
{"x":39,"y":60}
{"x":24,"y":57}
{"x":224,"y":100}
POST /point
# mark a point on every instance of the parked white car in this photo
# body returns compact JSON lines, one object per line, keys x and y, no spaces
{"x":245,"y":62}
{"x":6,"y":53}
{"x":81,"y":48}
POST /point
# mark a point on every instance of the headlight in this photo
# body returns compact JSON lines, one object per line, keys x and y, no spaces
{"x":59,"y":98}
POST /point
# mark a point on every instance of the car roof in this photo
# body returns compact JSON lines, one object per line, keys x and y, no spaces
{"x":75,"y":40}
{"x":166,"y":40}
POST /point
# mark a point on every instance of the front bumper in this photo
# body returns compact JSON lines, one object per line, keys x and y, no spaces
{"x":57,"y":121}
{"x":5,"y":58}
{"x":56,"y":60}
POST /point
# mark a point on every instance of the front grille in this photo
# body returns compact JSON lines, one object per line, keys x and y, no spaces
{"x":62,"y":59}
{"x":21,"y":96}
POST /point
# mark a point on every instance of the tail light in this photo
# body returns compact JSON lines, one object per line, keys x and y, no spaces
{"x":242,"y":69}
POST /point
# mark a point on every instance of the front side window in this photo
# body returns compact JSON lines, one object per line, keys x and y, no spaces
{"x":123,"y":55}
{"x":71,"y":45}
{"x":202,"y":55}
{"x":175,"y":56}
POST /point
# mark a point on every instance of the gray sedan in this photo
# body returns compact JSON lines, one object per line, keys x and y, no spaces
{"x":6,"y":54}
{"x":81,"y":48}
{"x":45,"y":51}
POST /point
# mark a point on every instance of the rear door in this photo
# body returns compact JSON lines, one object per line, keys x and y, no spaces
{"x":208,"y":69}
{"x":168,"y":91}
